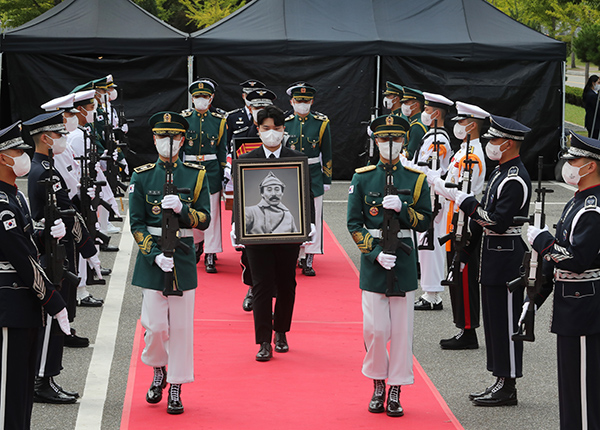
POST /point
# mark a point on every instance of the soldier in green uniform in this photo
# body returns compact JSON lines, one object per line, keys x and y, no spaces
{"x":387,"y":318}
{"x":412,"y":106}
{"x":392,"y":99}
{"x":309,"y":133}
{"x":205,"y":144}
{"x":166,"y":347}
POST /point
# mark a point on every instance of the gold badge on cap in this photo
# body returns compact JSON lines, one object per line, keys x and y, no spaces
{"x":389,"y":120}
{"x":302,"y":90}
{"x":200,"y":85}
{"x":167,"y":117}
{"x":261,"y":93}
{"x":155,"y":210}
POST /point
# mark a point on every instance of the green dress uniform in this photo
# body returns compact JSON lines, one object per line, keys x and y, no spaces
{"x":145,"y":196}
{"x":415,"y":135}
{"x":206,"y":136}
{"x":365,"y":212}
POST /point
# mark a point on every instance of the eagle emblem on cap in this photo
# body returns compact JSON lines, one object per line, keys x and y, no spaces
{"x":302,"y":90}
{"x":252,"y":83}
{"x":167,"y":117}
{"x":389,"y":120}
{"x":261,"y":93}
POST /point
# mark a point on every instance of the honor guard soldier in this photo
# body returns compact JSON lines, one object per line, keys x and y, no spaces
{"x":434,"y":153}
{"x":392,"y":100}
{"x":388,"y":307}
{"x":412,"y":106}
{"x":240,"y":120}
{"x":25,"y":289}
{"x":465,"y":298}
{"x":168,"y":306}
{"x":574,"y":253}
{"x":309,"y":133}
{"x":205,"y":144}
{"x":507,"y":195}
{"x":47,"y":131}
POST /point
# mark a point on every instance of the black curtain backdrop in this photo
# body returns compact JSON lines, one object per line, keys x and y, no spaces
{"x":344,"y":93}
{"x":146,"y":85}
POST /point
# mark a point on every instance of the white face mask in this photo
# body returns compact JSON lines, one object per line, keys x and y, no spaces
{"x":427,"y":118}
{"x":21,"y":164}
{"x":59,"y":145}
{"x":163,"y":146}
{"x":247,"y":103}
{"x":493,"y":151}
{"x":571,"y":174}
{"x":301,"y":108}
{"x":271,"y":138}
{"x":406,"y":110}
{"x":113,"y":94}
{"x":255,"y":114}
{"x":201,"y":104}
{"x":71,"y":123}
{"x":89,"y":114}
{"x":460,"y":131}
{"x":384,"y":149}
{"x":596,"y":86}
{"x":388,"y":102}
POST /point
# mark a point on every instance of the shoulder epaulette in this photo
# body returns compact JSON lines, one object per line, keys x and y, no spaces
{"x":591,"y":202}
{"x":194,"y":166}
{"x":3,"y":197}
{"x":320,"y":116}
{"x":234,"y":111}
{"x":410,"y":169}
{"x":218,"y":115}
{"x":144,"y":168}
{"x":513,"y":171}
{"x":241,"y":130}
{"x":365,"y":169}
{"x":291,"y":116}
{"x":186,"y":112}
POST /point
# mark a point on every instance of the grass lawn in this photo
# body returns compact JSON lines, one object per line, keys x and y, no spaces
{"x":575,"y":114}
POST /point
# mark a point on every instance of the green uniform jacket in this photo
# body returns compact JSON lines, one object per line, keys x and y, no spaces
{"x":311,"y":136}
{"x":365,"y":211}
{"x":399,"y":113}
{"x":415,"y":135}
{"x":145,"y":196}
{"x":206,"y":135}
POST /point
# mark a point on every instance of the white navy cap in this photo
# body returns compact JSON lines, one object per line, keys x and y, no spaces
{"x":84,"y":97}
{"x":506,"y":128}
{"x":437,"y":100}
{"x":63,"y":102}
{"x":466,"y":110}
{"x":110,"y":83}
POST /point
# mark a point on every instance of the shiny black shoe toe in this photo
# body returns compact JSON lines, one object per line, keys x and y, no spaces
{"x":154,"y":394}
{"x":174,"y":405}
{"x":265,"y":353}
{"x":281,"y":344}
{"x":247,"y":304}
{"x":108,"y":248}
{"x":90,"y":302}
{"x":74,"y":341}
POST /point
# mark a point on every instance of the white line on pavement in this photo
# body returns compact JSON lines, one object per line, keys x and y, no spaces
{"x":91,"y":404}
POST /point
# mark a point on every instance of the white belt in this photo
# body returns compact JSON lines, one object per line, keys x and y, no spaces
{"x":402,"y":234}
{"x":566,"y":276}
{"x":511,"y":231}
{"x":157,"y":231}
{"x":314,"y":160}
{"x":207,"y":157}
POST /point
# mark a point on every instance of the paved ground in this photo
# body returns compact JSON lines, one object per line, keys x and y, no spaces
{"x":100,"y":371}
{"x":576,"y":77}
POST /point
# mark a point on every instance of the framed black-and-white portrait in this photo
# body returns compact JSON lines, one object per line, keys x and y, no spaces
{"x":271,"y":200}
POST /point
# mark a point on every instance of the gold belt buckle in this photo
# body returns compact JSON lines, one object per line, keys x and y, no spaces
{"x":199,"y":157}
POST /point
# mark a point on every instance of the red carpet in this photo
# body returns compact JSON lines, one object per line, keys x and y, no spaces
{"x":317,"y":385}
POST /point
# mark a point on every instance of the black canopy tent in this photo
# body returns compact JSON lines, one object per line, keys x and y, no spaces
{"x":80,"y":40}
{"x":465,"y":49}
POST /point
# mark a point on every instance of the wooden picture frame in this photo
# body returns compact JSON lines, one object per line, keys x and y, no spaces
{"x":271,"y":200}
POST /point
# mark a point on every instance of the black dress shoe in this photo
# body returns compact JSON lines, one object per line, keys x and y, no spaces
{"x":45,"y":392}
{"x":504,"y":393}
{"x":62,"y":390}
{"x":485,"y":392}
{"x":74,"y":341}
{"x":108,"y":248}
{"x":377,"y":400}
{"x":175,"y":407}
{"x":105,"y":272}
{"x":112,"y":217}
{"x":281,"y":344}
{"x":265,"y":353}
{"x":154,"y":394}
{"x":301,"y":263}
{"x":90,"y":301}
{"x":247,"y":304}
{"x":209,"y":263}
{"x":393,"y":408}
{"x":426,"y":305}
{"x":465,"y":339}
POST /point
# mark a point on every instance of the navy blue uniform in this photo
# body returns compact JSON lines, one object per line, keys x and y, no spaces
{"x":574,"y":253}
{"x":239,"y":124}
{"x":24,"y":290}
{"x":507,"y":195}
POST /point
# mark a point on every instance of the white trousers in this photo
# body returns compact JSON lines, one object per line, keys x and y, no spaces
{"x":317,"y":246}
{"x":388,"y":319}
{"x":169,"y":337}
{"x":212,"y":235}
{"x":433,"y":262}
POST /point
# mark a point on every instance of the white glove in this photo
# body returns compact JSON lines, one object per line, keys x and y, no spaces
{"x":58,"y":230}
{"x":91,"y":192}
{"x":94,"y":263}
{"x":172,"y":201}
{"x":533,"y":232}
{"x":63,"y":321}
{"x":313,"y":231}
{"x":392,"y":202}
{"x":234,"y":238}
{"x":524,"y":312}
{"x":461,"y":196}
{"x":387,"y":261}
{"x":432,"y":175}
{"x":115,"y":155}
{"x":125,"y":128}
{"x":326,"y":187}
{"x":98,"y":167}
{"x":166,"y":264}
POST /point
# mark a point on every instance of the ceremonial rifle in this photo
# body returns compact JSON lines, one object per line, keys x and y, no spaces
{"x":434,"y":164}
{"x":170,"y":240}
{"x":390,"y":228}
{"x":531,"y":274}
{"x":112,"y":170}
{"x":460,"y":234}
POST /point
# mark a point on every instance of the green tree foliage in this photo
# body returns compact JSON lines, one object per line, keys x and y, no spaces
{"x":203,"y":13}
{"x":14,"y":13}
{"x":586,"y":44}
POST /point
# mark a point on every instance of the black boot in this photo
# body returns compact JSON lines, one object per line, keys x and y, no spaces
{"x":175,"y":407}
{"x":307,"y":269}
{"x":199,"y":251}
{"x":488,"y":390}
{"x":247,"y":304}
{"x":209,"y":263}
{"x":47,"y":392}
{"x":378,"y":398}
{"x":503,"y":394}
{"x":154,"y":394}
{"x":465,"y":339}
{"x":394,"y":409}
{"x":61,"y":389}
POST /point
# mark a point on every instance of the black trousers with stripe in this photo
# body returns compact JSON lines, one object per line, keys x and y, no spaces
{"x":464,"y":294}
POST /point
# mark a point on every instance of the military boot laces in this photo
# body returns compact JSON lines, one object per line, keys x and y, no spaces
{"x":174,"y":405}
{"x":394,"y":409}
{"x":376,"y":405}
{"x":159,"y":377}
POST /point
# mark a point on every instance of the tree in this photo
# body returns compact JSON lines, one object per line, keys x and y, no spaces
{"x":14,"y":13}
{"x":586,"y":44}
{"x":207,"y":12}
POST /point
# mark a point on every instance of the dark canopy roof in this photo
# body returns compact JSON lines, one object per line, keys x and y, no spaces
{"x":96,"y":27}
{"x":444,"y":28}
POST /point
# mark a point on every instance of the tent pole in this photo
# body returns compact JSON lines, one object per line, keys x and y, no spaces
{"x":375,"y":112}
{"x":190,"y":78}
